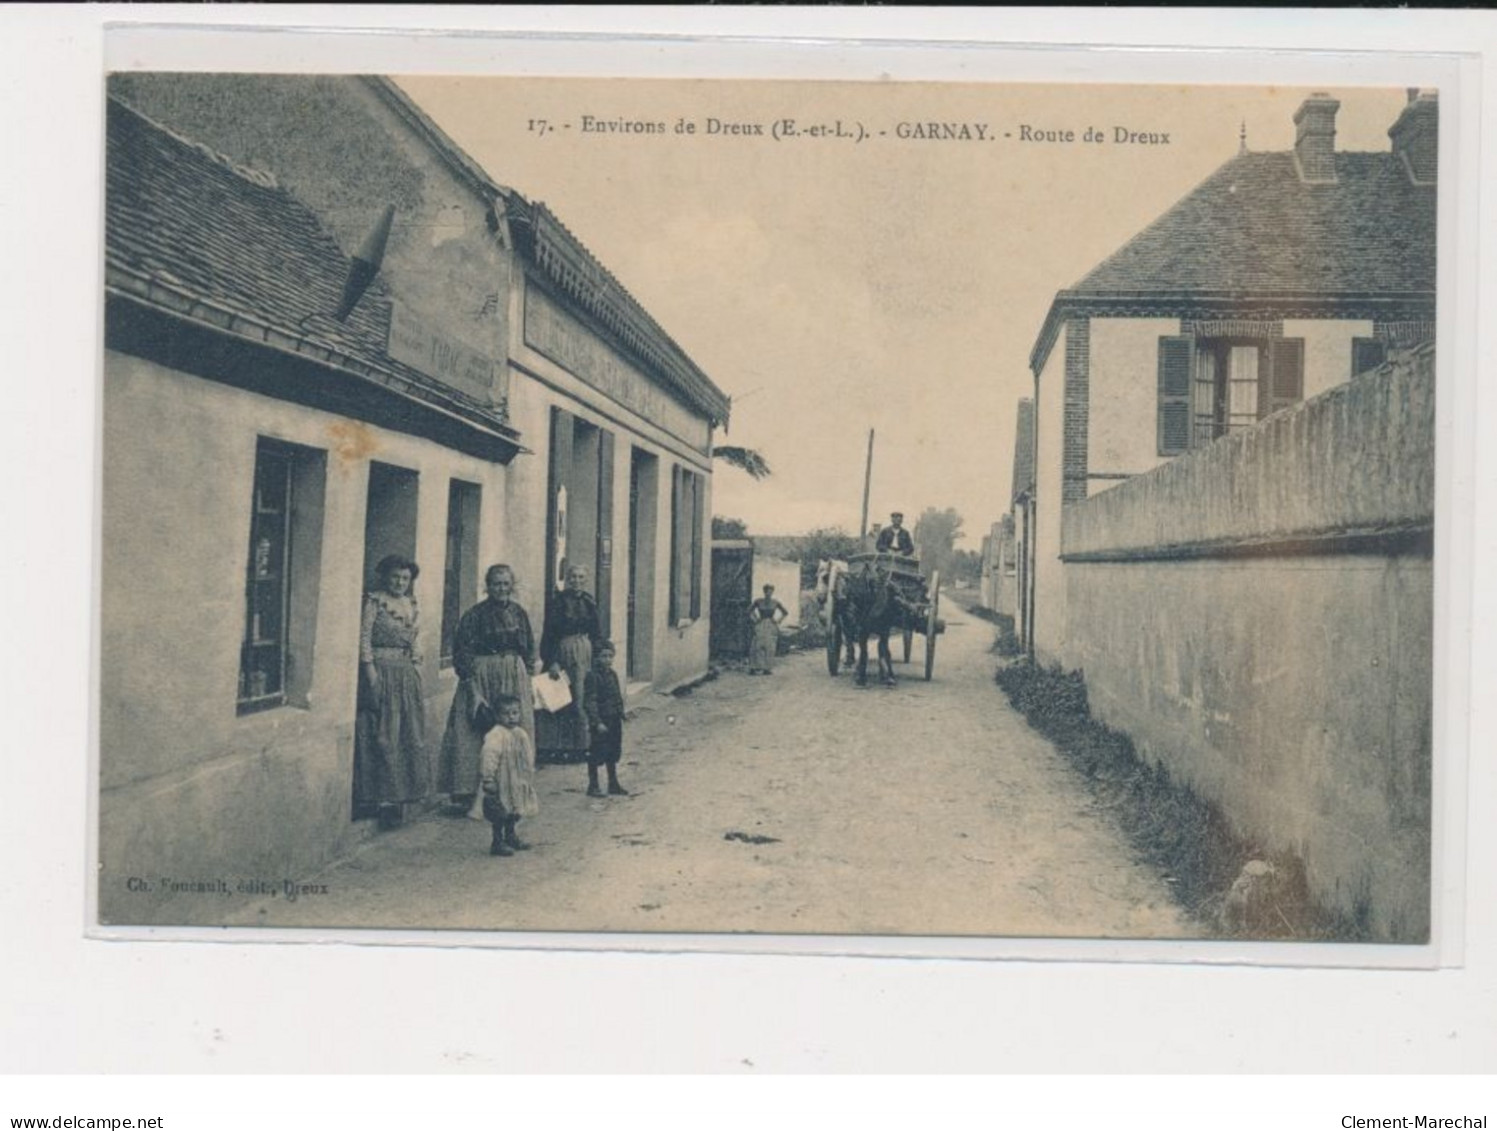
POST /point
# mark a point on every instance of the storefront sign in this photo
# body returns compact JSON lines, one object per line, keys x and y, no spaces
{"x":415,"y":343}
{"x":569,"y":344}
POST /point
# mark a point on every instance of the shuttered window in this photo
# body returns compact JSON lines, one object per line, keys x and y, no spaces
{"x":1211,"y":386}
{"x":688,"y":498}
{"x":1367,"y":354}
{"x":698,"y":500}
{"x":1286,"y":374}
{"x":675,"y":587}
{"x":1175,"y":363}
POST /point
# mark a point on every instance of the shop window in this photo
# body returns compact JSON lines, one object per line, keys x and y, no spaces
{"x":281,"y":578}
{"x":460,"y":580}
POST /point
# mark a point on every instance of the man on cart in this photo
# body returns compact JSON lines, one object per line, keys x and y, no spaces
{"x":894,"y":538}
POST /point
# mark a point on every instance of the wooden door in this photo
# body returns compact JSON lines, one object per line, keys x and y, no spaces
{"x":732,"y":594}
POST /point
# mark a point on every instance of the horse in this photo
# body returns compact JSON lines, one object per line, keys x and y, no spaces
{"x":869,"y":604}
{"x":825,"y":571}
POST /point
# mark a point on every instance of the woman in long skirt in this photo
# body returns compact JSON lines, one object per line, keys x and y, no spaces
{"x":494,"y":654}
{"x":391,"y":766}
{"x":572,"y":630}
{"x":765,"y":614}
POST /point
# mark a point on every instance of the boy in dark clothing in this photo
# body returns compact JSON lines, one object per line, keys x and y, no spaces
{"x":604,"y":703}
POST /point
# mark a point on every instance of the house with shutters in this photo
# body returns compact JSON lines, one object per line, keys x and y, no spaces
{"x":1230,"y":527}
{"x":1280,"y":276}
{"x":330,"y":336}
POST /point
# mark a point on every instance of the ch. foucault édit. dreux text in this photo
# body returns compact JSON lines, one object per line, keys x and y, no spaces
{"x":784,"y":129}
{"x":289,"y":890}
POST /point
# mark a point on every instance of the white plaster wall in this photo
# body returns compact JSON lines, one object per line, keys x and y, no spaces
{"x":1327,"y":349}
{"x":679,"y":654}
{"x":186,"y":782}
{"x":1122,"y":426}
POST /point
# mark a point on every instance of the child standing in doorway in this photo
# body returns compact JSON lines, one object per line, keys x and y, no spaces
{"x":508,"y":768}
{"x":604,"y":702}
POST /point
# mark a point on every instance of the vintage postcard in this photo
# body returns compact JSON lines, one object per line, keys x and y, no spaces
{"x":980,"y":510}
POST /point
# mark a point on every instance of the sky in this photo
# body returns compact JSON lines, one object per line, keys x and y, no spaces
{"x":831,"y":286}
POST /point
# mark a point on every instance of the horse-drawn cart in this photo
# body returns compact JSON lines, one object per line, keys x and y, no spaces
{"x":881,"y":594}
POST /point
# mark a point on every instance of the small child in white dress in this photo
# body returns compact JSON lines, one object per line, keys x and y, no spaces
{"x":508,"y":769}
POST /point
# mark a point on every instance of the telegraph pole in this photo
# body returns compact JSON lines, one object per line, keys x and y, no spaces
{"x":867,"y":483}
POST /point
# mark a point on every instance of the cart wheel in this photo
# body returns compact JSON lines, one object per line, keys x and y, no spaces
{"x":931,"y":625}
{"x":909,"y":643}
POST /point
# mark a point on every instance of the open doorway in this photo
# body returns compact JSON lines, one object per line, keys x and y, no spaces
{"x":644,"y":487}
{"x":389,"y":528}
{"x":580,"y":507}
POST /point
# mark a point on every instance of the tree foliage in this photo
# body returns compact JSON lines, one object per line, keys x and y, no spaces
{"x":744,"y":459}
{"x":824,"y":543}
{"x":725,"y":527}
{"x":935,"y":533}
{"x":966,"y":565}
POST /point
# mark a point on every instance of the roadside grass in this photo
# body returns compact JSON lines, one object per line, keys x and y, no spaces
{"x":1006,"y":643}
{"x":1227,"y":883}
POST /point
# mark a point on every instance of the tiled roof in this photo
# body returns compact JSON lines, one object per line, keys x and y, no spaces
{"x":207,"y":206}
{"x":1023,"y":450}
{"x":1254,"y":225}
{"x":1254,"y":238}
{"x":189,"y":222}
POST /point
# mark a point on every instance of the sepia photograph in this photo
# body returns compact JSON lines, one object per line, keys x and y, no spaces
{"x":660,"y":507}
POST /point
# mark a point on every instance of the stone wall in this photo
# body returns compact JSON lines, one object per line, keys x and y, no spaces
{"x":1258,"y":616}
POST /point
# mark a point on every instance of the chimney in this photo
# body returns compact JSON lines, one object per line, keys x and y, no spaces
{"x":1315,"y":139}
{"x":1416,"y":137}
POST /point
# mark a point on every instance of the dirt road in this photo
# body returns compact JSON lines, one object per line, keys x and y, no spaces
{"x":789,"y":803}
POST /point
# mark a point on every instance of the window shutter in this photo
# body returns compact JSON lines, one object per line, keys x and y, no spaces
{"x":1175,"y":357}
{"x":680,"y":548}
{"x":698,"y":491}
{"x":603,"y":589}
{"x":1286,"y":372}
{"x":1367,"y":353}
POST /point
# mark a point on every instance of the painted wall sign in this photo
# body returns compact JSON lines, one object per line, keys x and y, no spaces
{"x":414,"y":342}
{"x":563,"y":339}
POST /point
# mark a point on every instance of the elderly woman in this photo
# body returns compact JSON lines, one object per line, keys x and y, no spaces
{"x":765,"y":615}
{"x":572,"y":632}
{"x":390,"y":756}
{"x":493,"y":652}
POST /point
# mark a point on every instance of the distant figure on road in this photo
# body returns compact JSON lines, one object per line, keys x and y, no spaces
{"x":765,"y":614}
{"x":895,"y":538}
